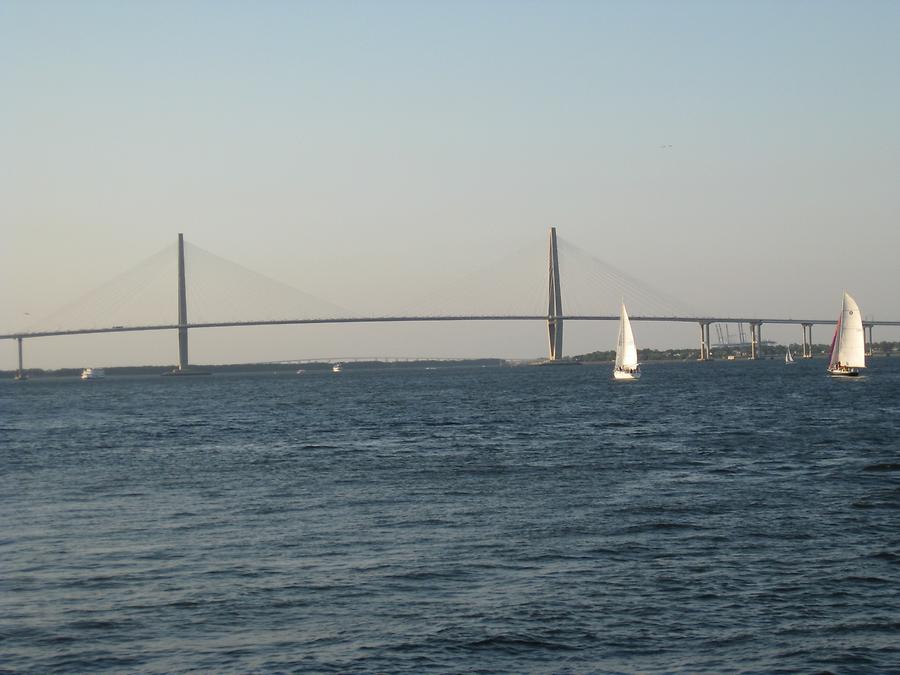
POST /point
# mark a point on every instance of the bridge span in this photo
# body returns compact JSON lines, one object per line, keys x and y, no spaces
{"x":555,"y":319}
{"x":703,"y":321}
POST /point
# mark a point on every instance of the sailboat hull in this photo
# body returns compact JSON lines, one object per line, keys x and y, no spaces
{"x":843,"y":372}
{"x":626,"y":375}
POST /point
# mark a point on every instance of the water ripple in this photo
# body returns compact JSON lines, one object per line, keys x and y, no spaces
{"x":711,"y":518}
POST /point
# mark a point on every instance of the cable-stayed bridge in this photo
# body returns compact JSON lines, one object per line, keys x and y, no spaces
{"x":124,"y":304}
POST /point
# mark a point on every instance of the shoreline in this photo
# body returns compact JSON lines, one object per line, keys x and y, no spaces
{"x":325,"y":366}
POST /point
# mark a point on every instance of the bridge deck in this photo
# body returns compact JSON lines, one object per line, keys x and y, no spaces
{"x":412,"y":319}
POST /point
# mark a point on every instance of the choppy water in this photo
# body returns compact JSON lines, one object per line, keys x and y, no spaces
{"x":709,"y":518}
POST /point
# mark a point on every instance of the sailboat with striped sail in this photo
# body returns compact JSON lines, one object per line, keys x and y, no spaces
{"x":627,"y":366}
{"x":848,"y":347}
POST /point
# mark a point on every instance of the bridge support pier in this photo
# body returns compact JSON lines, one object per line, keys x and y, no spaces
{"x":807,"y":340}
{"x":704,"y":341}
{"x":867,"y":332}
{"x":755,"y":339}
{"x":554,"y":309}
{"x":20,"y":371}
{"x":752,"y":340}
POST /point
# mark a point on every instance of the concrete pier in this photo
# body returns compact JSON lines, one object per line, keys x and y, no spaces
{"x":752,"y":341}
{"x":702,"y":343}
{"x":705,"y":353}
{"x":807,"y":340}
{"x":20,"y":371}
{"x":755,"y":339}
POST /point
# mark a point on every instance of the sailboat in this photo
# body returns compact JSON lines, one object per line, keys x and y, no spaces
{"x":627,"y":366}
{"x":787,"y":356}
{"x":848,"y":349}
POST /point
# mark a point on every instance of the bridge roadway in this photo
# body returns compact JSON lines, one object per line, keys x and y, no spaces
{"x":411,"y":319}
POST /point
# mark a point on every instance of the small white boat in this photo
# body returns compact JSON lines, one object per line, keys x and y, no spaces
{"x":848,"y":346}
{"x":627,"y":366}
{"x":337,"y":367}
{"x":92,"y":373}
{"x":787,"y":356}
{"x":301,"y":371}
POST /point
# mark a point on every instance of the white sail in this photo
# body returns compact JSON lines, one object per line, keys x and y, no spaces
{"x":848,"y":349}
{"x":787,"y":356}
{"x":832,"y":360}
{"x":626,"y":352}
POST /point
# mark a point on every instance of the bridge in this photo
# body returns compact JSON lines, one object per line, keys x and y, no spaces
{"x":555,"y":319}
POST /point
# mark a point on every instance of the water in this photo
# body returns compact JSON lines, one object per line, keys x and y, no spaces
{"x":709,"y":518}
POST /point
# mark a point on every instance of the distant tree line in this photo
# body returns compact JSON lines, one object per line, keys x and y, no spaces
{"x":767,"y":350}
{"x":317,"y":366}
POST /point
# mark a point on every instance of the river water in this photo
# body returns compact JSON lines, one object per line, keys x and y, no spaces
{"x":712,"y":517}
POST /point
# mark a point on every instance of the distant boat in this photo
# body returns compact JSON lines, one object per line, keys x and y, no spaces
{"x":627,"y":366}
{"x":848,"y":348}
{"x":301,"y":371}
{"x":92,"y":373}
{"x":337,"y":367}
{"x":787,"y":356}
{"x":21,"y":377}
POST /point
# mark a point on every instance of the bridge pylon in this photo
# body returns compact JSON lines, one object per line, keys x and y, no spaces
{"x":183,"y":366}
{"x":182,"y":309}
{"x":554,"y":308}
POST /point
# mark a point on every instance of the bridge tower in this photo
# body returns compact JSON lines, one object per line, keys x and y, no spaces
{"x":183,"y":367}
{"x":182,"y":309}
{"x":554,"y":309}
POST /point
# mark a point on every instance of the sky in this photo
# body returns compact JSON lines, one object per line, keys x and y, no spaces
{"x":741,"y":157}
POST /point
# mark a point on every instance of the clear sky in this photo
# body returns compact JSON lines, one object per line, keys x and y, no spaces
{"x":743,"y":157}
